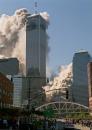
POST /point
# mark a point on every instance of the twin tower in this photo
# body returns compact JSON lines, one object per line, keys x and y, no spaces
{"x":35,"y":59}
{"x":36,"y":45}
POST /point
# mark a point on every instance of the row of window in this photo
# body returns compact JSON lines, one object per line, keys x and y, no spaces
{"x":4,"y":104}
{"x":35,"y":26}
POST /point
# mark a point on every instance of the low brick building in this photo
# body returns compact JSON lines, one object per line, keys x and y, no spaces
{"x":6,"y":91}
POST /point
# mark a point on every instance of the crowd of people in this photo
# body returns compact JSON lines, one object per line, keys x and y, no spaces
{"x":82,"y":122}
{"x":24,"y":123}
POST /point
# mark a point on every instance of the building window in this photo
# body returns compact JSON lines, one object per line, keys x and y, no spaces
{"x":42,"y":27}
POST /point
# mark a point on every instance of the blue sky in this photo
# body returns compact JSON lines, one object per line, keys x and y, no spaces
{"x":70,"y":26}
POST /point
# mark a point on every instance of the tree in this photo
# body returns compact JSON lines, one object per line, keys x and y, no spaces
{"x":49,"y":112}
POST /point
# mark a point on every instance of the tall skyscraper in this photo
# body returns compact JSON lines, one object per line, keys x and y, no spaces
{"x":35,"y":57}
{"x":80,"y":90}
{"x":35,"y":60}
{"x":36,"y":45}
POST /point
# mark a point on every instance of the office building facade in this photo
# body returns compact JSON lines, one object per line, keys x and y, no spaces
{"x":80,"y":90}
{"x":17,"y":92}
{"x":9,"y":66}
{"x":36,"y":45}
{"x":35,"y":57}
{"x":90,"y":83}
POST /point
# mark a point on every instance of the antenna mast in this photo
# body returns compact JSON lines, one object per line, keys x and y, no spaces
{"x":36,"y":7}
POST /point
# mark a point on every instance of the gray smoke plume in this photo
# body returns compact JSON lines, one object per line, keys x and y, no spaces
{"x":12,"y":35}
{"x":11,"y":28}
{"x":60,"y":82}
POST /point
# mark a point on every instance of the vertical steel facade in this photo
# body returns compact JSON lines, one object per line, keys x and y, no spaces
{"x":80,"y":91}
{"x":36,"y":45}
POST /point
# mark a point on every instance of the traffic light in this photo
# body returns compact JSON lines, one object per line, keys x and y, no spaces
{"x":67,"y":94}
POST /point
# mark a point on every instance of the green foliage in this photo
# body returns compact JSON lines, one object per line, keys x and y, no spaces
{"x":49,"y":112}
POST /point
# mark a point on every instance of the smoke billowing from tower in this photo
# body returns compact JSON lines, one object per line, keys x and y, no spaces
{"x":12,"y":31}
